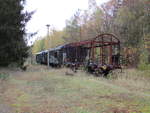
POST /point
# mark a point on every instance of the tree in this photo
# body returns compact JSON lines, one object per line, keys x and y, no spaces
{"x":55,"y":39}
{"x":13,"y":47}
{"x":38,"y":46}
{"x":51,"y":41}
{"x":92,"y":5}
{"x":73,"y":28}
{"x":132,"y":23}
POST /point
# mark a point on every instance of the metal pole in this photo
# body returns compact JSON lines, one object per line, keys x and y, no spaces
{"x":48,"y":49}
{"x":102,"y":50}
{"x":110,"y":52}
{"x":47,"y":29}
{"x":80,"y":33}
{"x":48,"y":58}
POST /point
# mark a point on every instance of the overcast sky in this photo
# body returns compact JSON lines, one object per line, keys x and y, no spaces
{"x":53,"y":12}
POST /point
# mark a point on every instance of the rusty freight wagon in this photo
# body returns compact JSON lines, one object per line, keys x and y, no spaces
{"x":99,"y":55}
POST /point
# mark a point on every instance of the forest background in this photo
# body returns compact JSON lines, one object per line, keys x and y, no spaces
{"x":127,"y":19}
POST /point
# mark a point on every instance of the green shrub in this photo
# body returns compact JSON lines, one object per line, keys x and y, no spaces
{"x":144,"y":67}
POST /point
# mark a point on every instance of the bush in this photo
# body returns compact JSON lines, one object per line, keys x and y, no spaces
{"x":144,"y":57}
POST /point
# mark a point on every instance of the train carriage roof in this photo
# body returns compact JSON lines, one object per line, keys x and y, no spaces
{"x":45,"y":51}
{"x":100,"y":40}
{"x":58,"y":48}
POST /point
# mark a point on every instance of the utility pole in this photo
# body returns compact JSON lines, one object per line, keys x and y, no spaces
{"x":80,"y":33}
{"x":48,"y":26}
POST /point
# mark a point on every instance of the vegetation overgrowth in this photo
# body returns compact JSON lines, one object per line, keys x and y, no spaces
{"x":43,"y":90}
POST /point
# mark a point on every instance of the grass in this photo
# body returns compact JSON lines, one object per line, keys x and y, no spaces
{"x":43,"y":90}
{"x":3,"y":76}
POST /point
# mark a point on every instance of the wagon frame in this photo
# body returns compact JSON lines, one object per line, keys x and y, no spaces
{"x":102,"y":42}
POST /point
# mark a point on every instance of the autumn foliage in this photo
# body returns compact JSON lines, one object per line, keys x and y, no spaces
{"x":128,"y":19}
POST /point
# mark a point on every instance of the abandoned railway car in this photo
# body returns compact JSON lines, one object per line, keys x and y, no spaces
{"x":62,"y":55}
{"x":98,"y":55}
